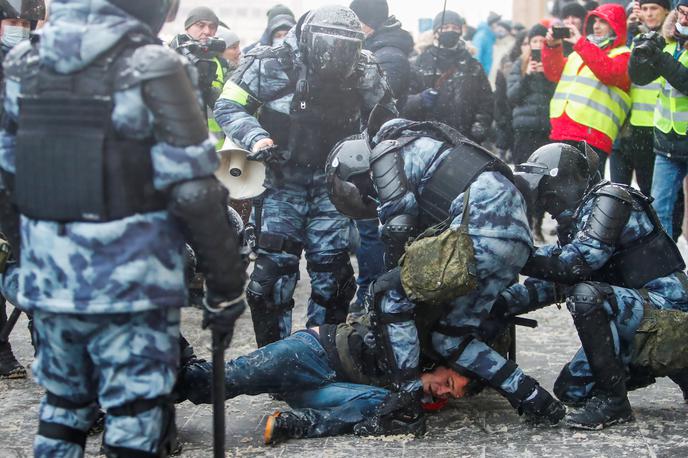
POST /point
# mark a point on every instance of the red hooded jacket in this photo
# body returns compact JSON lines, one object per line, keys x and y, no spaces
{"x":610,"y":71}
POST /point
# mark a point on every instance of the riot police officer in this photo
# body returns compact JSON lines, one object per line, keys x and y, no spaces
{"x":108,"y":161}
{"x":424,"y":174}
{"x":613,"y":258}
{"x":16,"y":21}
{"x":307,"y":94}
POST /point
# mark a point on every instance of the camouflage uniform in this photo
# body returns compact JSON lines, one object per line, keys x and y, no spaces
{"x":624,"y":306}
{"x":296,"y":207}
{"x":106,"y":296}
{"x":498,"y":227}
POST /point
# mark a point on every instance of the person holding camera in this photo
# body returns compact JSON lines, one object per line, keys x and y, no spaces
{"x":204,"y":50}
{"x":529,"y":94}
{"x":665,"y":57}
{"x":633,"y":151}
{"x":592,"y":99}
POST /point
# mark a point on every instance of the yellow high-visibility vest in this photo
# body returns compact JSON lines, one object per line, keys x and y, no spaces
{"x":588,"y":101}
{"x":213,"y":126}
{"x":671,"y":110}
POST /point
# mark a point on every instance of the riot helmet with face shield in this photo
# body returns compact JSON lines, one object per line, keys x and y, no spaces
{"x":349,"y":182}
{"x":153,"y":13}
{"x":331,"y":40}
{"x":557,"y":176}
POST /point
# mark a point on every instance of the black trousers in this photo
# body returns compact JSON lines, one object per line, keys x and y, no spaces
{"x":634,"y":153}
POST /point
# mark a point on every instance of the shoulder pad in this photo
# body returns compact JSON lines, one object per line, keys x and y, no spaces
{"x":18,"y":58}
{"x":388,"y":146}
{"x":616,"y":191}
{"x":155,"y":61}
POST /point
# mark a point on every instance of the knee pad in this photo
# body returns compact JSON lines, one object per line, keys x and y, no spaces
{"x":345,"y":286}
{"x":260,"y":290}
{"x":584,"y":298}
{"x":58,"y":431}
{"x":168,"y":432}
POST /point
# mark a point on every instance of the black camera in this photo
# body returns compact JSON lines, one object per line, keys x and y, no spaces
{"x":646,"y":44}
{"x":536,"y":55}
{"x":195,"y":50}
{"x":561,"y":32}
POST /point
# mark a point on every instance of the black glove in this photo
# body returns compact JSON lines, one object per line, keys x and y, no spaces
{"x":478,"y":131}
{"x":399,"y":413}
{"x":270,"y":155}
{"x":428,"y":98}
{"x":220,"y":314}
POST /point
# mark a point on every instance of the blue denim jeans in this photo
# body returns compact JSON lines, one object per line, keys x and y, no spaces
{"x":369,"y":255}
{"x":666,"y":182}
{"x":298,"y":370}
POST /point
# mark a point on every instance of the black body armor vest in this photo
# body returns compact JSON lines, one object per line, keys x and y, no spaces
{"x":460,"y":167}
{"x":319,"y":117}
{"x":652,"y":256}
{"x":71,"y":164}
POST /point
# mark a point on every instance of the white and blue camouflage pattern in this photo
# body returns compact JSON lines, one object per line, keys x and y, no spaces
{"x":498,"y":226}
{"x":105,"y":296}
{"x":575,"y":382}
{"x":296,"y":204}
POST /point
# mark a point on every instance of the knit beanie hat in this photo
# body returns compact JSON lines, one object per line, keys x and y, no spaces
{"x":666,"y":4}
{"x":575,"y":10}
{"x":450,"y":17}
{"x":372,"y":13}
{"x":201,"y":13}
{"x":278,"y":10}
{"x":229,"y":36}
{"x":538,"y":30}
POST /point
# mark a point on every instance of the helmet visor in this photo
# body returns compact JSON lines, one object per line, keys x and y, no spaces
{"x":349,"y":201}
{"x":30,"y":10}
{"x":333,"y":56}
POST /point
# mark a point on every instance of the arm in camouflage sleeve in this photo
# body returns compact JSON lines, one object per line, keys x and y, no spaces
{"x":257,"y":80}
{"x":184,"y":160}
{"x":375,"y":89}
{"x":532,"y":294}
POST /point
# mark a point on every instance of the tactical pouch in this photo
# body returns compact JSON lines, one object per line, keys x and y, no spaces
{"x":439,"y":265}
{"x":660,"y":342}
{"x":60,"y":163}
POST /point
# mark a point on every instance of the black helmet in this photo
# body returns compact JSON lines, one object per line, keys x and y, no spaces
{"x":331,"y":39}
{"x":349,"y":183}
{"x":29,"y":10}
{"x":557,"y":176}
{"x":154,"y":13}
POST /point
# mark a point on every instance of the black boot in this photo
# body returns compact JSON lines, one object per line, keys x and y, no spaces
{"x":9,"y":366}
{"x":540,"y":408}
{"x":609,"y":404}
{"x":681,"y":379}
{"x":399,"y":413}
{"x":602,"y":410}
{"x":281,"y":426}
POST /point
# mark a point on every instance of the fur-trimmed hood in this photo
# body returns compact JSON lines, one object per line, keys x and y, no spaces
{"x":669,"y":28}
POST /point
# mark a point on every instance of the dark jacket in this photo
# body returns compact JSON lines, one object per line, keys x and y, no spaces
{"x":642,"y":72}
{"x":529,"y":95}
{"x":465,"y":100}
{"x":391,"y":45}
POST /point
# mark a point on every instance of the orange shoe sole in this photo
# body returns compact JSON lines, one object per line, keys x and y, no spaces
{"x":270,"y":428}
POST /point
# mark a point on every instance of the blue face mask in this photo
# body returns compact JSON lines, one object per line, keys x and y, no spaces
{"x":12,"y":35}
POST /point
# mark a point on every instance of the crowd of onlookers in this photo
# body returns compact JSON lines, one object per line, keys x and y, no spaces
{"x":514,"y":88}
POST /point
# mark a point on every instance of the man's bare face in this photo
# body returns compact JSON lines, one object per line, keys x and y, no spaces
{"x":202,"y":30}
{"x":444,"y":383}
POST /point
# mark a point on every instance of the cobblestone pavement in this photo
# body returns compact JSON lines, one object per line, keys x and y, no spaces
{"x":481,"y":426}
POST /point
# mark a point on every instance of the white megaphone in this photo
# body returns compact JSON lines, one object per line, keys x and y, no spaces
{"x":242,"y":177}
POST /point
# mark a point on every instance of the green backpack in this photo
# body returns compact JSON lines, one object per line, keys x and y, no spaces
{"x":661,"y":341}
{"x":439,"y":265}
